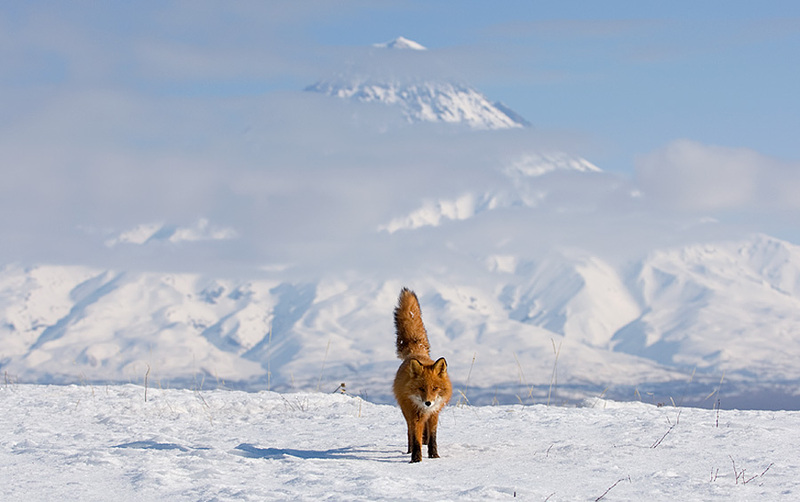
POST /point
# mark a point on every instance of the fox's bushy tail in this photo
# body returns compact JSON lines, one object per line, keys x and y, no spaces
{"x":412,"y":340}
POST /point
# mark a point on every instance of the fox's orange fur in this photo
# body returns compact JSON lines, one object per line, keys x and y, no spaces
{"x":421,"y":386}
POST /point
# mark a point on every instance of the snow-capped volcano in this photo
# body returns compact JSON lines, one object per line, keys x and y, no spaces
{"x":423,"y":100}
{"x":402,"y":43}
{"x":426,"y":101}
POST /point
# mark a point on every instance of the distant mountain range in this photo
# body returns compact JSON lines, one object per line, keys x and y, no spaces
{"x":730,"y":308}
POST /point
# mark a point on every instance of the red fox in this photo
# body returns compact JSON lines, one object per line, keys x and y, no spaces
{"x":421,"y":386}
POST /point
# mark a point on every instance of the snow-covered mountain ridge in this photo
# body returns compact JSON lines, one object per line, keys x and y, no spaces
{"x":521,"y":188}
{"x":427,"y":101}
{"x":727,"y":307}
{"x":423,"y":100}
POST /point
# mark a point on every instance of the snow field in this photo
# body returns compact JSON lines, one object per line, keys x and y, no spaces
{"x":99,"y":443}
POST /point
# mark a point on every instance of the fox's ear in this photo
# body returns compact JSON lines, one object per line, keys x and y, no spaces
{"x":440,"y":366}
{"x":415,"y":367}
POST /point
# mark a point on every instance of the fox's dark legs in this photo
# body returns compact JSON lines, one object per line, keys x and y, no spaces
{"x":430,"y":433}
{"x":415,"y":433}
{"x":416,"y":427}
{"x":422,"y":431}
{"x":410,"y":421}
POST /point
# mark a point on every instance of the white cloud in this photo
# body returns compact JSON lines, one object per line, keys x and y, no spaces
{"x":691,"y":176}
{"x":136,"y":125}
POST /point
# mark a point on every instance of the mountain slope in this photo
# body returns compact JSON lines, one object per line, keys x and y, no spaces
{"x":732,"y":307}
{"x":426,"y":101}
{"x":526,"y":181}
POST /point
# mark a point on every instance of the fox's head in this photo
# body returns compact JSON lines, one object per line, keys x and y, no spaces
{"x":429,"y":385}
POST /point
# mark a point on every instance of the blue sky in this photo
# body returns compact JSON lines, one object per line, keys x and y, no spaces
{"x":631,"y":75}
{"x":120,"y":113}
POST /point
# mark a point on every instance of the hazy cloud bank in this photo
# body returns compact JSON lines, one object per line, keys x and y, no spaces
{"x":689,"y":176}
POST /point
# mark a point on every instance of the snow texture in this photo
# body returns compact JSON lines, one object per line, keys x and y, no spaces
{"x":92,"y":443}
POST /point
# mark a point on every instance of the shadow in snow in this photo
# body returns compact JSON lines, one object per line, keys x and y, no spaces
{"x":250,"y":451}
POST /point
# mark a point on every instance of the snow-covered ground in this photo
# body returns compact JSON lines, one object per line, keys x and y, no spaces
{"x":107,"y":442}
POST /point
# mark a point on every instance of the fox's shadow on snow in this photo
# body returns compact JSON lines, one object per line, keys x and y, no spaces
{"x":251,"y":451}
{"x":352,"y":453}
